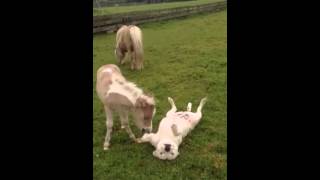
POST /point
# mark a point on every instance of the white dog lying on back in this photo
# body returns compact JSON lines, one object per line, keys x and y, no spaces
{"x":172,"y":129}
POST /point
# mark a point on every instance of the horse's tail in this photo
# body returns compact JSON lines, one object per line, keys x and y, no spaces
{"x":136,"y":37}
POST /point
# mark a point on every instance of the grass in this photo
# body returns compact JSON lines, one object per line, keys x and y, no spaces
{"x":187,"y":60}
{"x":143,"y":7}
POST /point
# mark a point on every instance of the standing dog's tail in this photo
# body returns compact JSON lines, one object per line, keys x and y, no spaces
{"x":202,"y":103}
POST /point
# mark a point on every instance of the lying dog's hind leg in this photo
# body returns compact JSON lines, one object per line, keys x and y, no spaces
{"x":202,"y":103}
{"x":173,"y":106}
{"x":174,"y":129}
{"x":189,"y":107}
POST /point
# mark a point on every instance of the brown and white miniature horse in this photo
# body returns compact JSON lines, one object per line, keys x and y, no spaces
{"x":121,"y":96}
{"x":129,"y":40}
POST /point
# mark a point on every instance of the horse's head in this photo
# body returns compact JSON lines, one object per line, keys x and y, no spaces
{"x":144,"y":112}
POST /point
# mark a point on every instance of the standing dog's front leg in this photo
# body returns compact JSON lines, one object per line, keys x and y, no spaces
{"x":109,"y":123}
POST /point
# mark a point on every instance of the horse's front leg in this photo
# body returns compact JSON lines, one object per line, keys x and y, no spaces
{"x":109,"y":123}
{"x":125,"y":124}
{"x":133,"y":60}
{"x":122,"y":59}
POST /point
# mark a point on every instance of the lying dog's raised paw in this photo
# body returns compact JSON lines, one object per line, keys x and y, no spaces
{"x":170,"y":100}
{"x":138,"y":140}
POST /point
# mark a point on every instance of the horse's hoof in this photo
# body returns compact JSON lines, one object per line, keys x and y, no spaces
{"x":106,"y":146}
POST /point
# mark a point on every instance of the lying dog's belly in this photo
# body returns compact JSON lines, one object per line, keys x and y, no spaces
{"x":184,"y":120}
{"x":187,"y":118}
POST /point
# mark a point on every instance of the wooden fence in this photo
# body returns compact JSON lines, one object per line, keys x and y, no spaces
{"x":110,"y":23}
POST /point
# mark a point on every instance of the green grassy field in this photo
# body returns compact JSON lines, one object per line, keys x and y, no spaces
{"x":143,"y":7}
{"x":187,"y":60}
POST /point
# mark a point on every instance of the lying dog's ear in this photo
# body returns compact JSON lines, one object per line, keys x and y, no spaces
{"x":174,"y":129}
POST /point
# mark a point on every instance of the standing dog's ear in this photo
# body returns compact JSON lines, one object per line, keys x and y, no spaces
{"x":174,"y":129}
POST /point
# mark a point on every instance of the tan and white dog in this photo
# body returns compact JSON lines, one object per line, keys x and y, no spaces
{"x":172,"y":129}
{"x":121,"y":96}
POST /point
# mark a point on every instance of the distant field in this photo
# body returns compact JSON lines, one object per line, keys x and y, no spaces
{"x":187,"y":60}
{"x":144,"y":7}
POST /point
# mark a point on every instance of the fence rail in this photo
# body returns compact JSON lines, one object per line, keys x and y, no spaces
{"x":110,"y":23}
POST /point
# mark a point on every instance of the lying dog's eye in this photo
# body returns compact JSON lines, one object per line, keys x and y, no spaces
{"x":172,"y":154}
{"x":161,"y":153}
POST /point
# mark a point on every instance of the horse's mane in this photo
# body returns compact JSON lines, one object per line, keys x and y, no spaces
{"x":131,"y":91}
{"x":136,"y":37}
{"x":120,"y":34}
